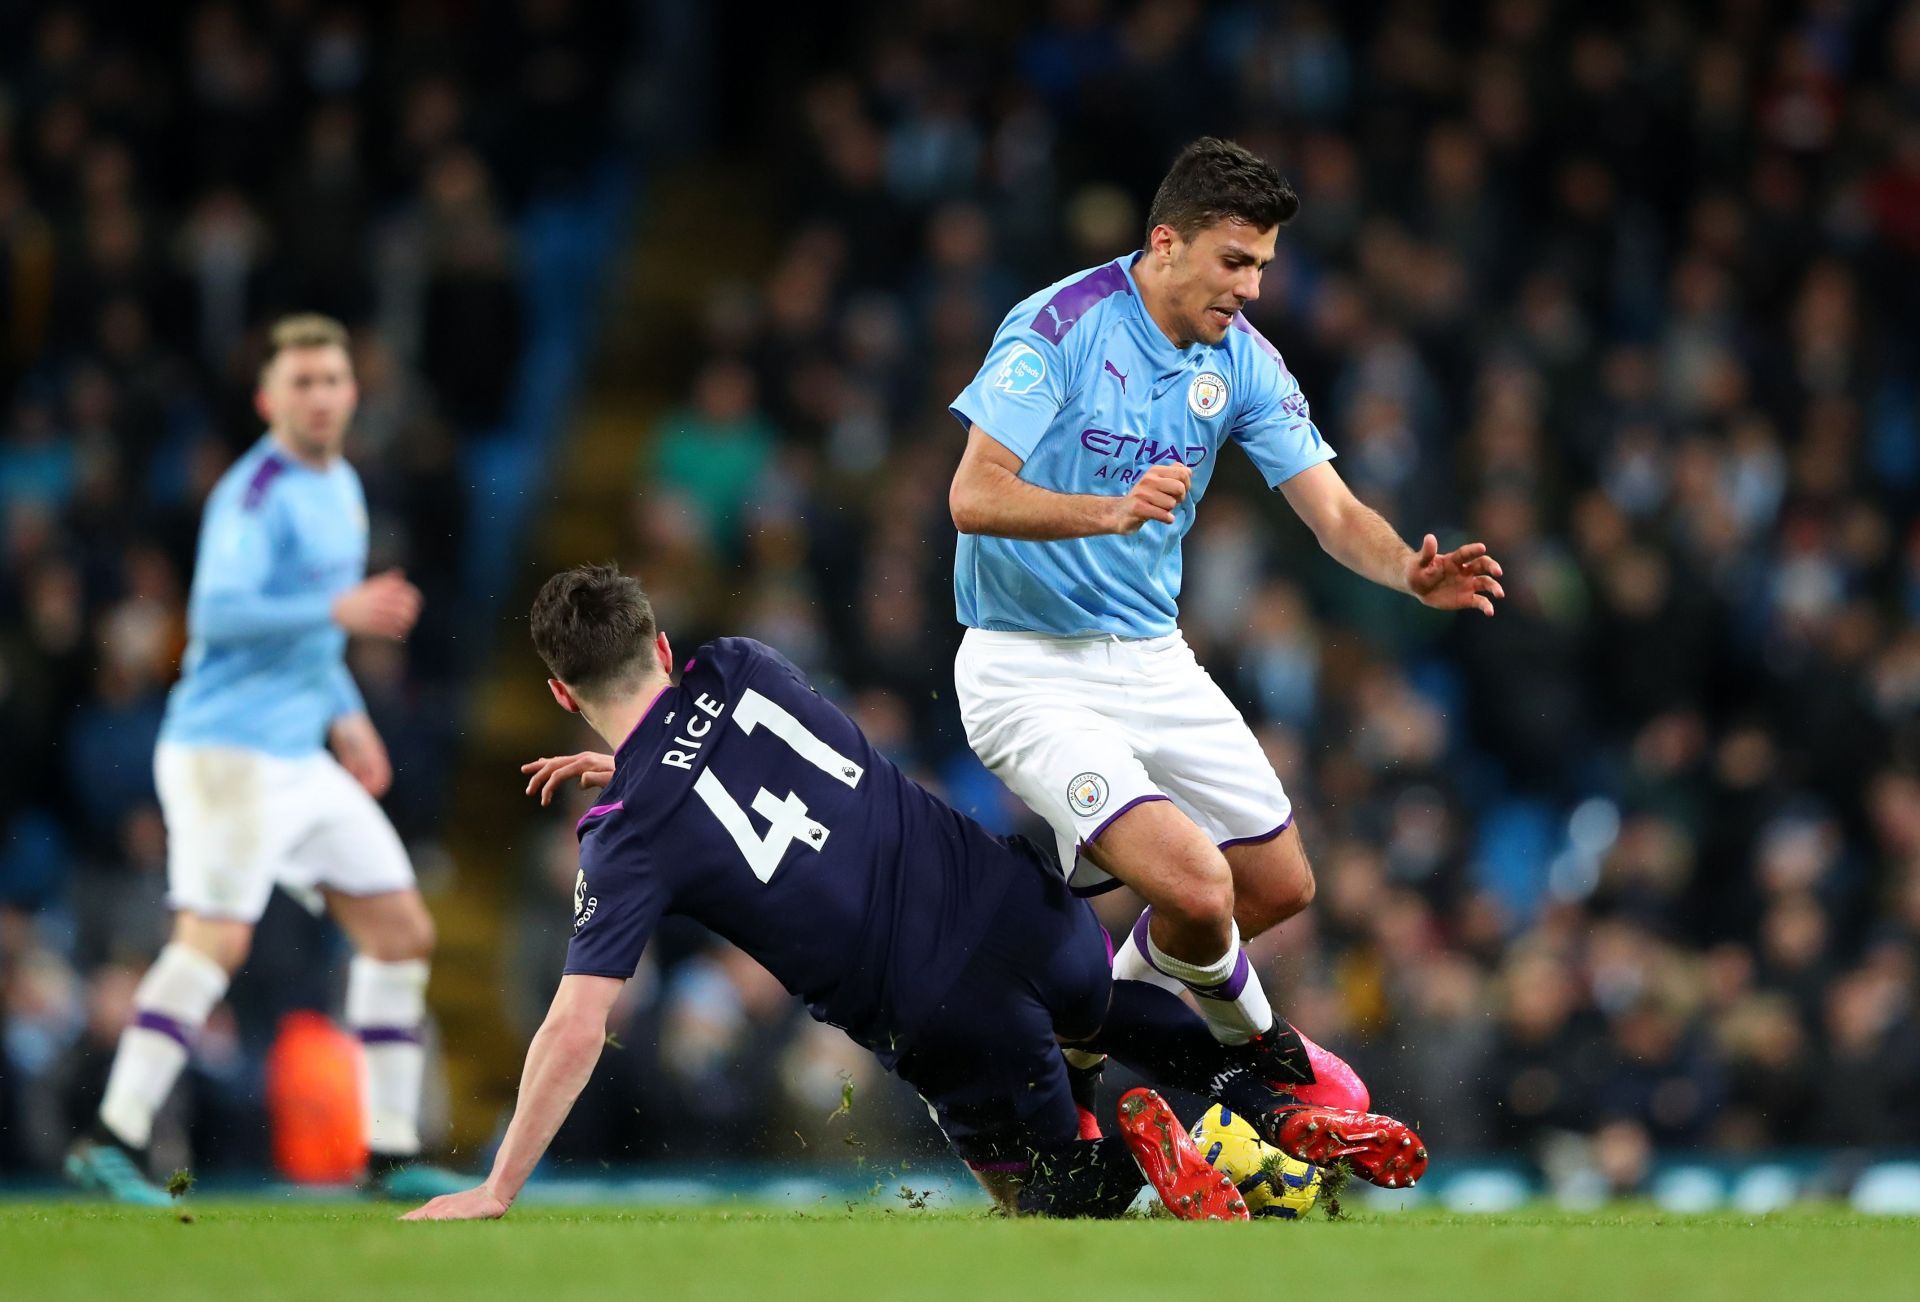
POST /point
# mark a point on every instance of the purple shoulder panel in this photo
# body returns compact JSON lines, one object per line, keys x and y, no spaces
{"x":263,"y":477}
{"x":1241,"y":324}
{"x":1074,"y":301}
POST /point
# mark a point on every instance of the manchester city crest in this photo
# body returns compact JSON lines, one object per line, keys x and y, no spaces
{"x":1087,"y":793}
{"x":1207,"y":395}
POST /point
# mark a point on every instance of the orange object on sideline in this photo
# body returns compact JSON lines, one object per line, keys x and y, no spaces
{"x":313,"y":1101}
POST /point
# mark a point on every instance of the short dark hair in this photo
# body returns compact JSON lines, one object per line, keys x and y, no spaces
{"x":593,"y":626}
{"x":1216,"y":180}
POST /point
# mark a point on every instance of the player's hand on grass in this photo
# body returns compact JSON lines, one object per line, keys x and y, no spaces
{"x":1153,"y":497}
{"x":385,"y":605}
{"x":1458,"y":580}
{"x":356,"y":744}
{"x":592,"y":768}
{"x":467,"y":1205}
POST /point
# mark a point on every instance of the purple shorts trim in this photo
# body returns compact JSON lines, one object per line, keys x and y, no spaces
{"x":1002,"y":1168}
{"x":1093,"y":836}
{"x":388,"y":1035}
{"x":1256,"y":840}
{"x":147,"y":1019}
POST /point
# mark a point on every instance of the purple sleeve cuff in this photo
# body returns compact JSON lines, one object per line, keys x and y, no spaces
{"x":1094,"y":835}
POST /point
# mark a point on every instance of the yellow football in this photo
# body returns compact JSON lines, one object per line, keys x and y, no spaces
{"x":1272,"y":1183}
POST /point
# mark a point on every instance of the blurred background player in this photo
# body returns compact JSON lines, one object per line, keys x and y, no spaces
{"x":1093,"y":429}
{"x":251,"y":795}
{"x":954,"y":956}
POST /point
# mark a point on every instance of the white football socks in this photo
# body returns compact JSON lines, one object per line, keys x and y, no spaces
{"x":386,"y":1003}
{"x":1227,"y":990}
{"x":171,"y":1004}
{"x":1130,"y":961}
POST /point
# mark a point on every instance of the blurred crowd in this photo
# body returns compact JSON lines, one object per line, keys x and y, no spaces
{"x":1630,"y":293}
{"x":172,"y":177}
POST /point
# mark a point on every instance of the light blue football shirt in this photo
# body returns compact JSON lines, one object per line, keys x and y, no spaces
{"x":1089,"y":393}
{"x":266,"y":665}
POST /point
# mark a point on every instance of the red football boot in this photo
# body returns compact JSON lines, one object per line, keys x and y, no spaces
{"x":1381,"y":1150}
{"x":1191,"y":1188}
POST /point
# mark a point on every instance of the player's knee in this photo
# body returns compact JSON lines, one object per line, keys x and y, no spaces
{"x":415,"y":936}
{"x":1274,"y":901}
{"x":1202,"y":896}
{"x":226,"y":943}
{"x":1081,"y":1013}
{"x":403,"y":936}
{"x":1304,"y":890}
{"x":230,"y":951}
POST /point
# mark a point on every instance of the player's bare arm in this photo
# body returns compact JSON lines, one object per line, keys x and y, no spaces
{"x":593,"y":769}
{"x":357,"y":745}
{"x":989,"y":497}
{"x":1357,"y":536}
{"x":559,"y":1062}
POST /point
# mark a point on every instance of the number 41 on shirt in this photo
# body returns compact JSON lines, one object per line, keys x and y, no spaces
{"x":787,"y":817}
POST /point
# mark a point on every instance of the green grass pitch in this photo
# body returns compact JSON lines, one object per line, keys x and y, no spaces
{"x":52,"y":1250}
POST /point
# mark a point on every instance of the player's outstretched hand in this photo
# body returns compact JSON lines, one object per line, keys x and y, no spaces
{"x":385,"y":605}
{"x":592,"y":768}
{"x":467,"y":1205}
{"x":1153,"y":497}
{"x":1458,"y":580}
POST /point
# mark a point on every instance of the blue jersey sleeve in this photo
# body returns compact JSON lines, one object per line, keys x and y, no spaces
{"x":1274,"y":424}
{"x":1019,"y":391}
{"x":229,"y":601}
{"x":346,"y":694}
{"x":618,"y":898}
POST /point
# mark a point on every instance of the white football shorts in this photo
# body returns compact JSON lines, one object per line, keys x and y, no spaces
{"x":1083,"y":729}
{"x":240,"y":822}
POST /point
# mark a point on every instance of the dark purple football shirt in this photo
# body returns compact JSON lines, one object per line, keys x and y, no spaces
{"x":746,"y":801}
